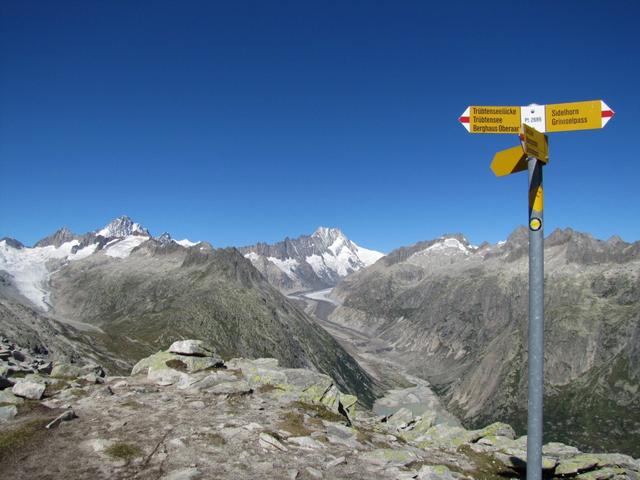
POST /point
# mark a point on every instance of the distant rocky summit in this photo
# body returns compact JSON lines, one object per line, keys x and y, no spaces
{"x":184,"y":413}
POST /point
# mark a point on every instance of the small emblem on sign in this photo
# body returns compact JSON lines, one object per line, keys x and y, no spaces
{"x":535,"y":224}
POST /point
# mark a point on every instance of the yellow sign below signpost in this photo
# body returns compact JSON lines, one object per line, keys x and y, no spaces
{"x":563,"y":117}
{"x":535,"y":143}
{"x":491,"y":119}
{"x":509,"y":161}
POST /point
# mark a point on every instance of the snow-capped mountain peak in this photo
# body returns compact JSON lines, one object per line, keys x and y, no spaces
{"x":328,"y":235}
{"x":123,"y":226}
{"x":313,"y":261}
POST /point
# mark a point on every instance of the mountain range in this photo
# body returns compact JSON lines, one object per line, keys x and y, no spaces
{"x":450,"y":312}
{"x":456,"y":315}
{"x":123,"y":294}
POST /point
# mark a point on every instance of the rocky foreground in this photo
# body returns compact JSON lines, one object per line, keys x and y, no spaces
{"x":185,"y":414}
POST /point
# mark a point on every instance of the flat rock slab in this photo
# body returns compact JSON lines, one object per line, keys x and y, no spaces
{"x":196,"y":348}
{"x":389,"y":457}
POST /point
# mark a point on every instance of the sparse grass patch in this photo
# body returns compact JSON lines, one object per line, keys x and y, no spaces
{"x":130,"y":403}
{"x":487,"y":467}
{"x":55,"y":387}
{"x":17,"y":438}
{"x":320,"y":411}
{"x":126,"y":451}
{"x":293,"y":422}
{"x":214,"y":439}
{"x":78,"y":392}
{"x":266,"y":388}
{"x":32,"y":406}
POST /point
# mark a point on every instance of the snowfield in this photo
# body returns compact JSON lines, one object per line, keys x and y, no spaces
{"x":28,"y":267}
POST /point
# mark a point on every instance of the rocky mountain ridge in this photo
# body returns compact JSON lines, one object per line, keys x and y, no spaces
{"x":125,"y":296}
{"x":457,"y":315}
{"x":185,"y":414}
{"x":310,"y":262}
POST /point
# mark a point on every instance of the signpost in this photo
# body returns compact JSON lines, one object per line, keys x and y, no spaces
{"x":533,"y":153}
{"x":558,"y":117}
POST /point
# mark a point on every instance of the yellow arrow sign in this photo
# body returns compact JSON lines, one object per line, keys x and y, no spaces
{"x":509,"y":161}
{"x":562,"y":117}
{"x":535,"y":143}
{"x":491,"y":119}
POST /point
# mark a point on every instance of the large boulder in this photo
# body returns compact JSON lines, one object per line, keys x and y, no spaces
{"x":196,"y":348}
{"x":180,"y":363}
{"x":65,"y":370}
{"x":29,"y":389}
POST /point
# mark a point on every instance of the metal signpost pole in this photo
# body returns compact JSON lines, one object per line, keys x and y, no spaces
{"x":536,"y":320}
{"x":531,"y":122}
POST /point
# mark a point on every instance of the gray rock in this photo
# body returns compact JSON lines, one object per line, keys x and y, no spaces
{"x":314,"y":472}
{"x":239,"y":387}
{"x":517,"y":459}
{"x":29,"y":389}
{"x":307,"y":443}
{"x":436,"y":472}
{"x":46,"y":368}
{"x":213,"y":379}
{"x":335,"y":462}
{"x":104,"y":392}
{"x":18,"y":356}
{"x":182,"y":474}
{"x":389,"y":457}
{"x":196,"y":348}
{"x":559,"y":450}
{"x":7,"y":397}
{"x":401,"y":419}
{"x":65,"y":370}
{"x":8,"y":412}
{"x":496,"y":429}
{"x":577,"y":464}
{"x":268,"y":442}
{"x":5,"y":382}
{"x":65,"y":417}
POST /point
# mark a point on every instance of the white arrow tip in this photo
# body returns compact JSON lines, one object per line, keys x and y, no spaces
{"x":606,"y":112}
{"x":464,"y":119}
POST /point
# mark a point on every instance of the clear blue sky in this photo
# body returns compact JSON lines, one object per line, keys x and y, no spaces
{"x":236,"y":122}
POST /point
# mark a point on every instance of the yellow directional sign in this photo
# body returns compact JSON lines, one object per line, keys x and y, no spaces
{"x":562,"y":117}
{"x":509,"y":161}
{"x":559,"y":117}
{"x":491,"y":119}
{"x":535,"y":143}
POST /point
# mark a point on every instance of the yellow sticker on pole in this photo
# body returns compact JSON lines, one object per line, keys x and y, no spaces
{"x":536,"y":199}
